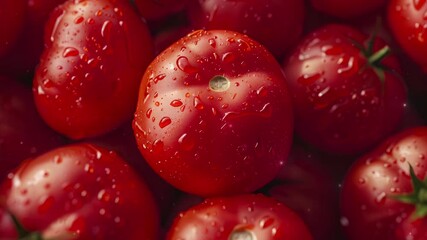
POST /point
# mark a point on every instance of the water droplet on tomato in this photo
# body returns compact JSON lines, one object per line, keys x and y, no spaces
{"x":46,"y":204}
{"x":266,"y":222}
{"x":309,"y":79}
{"x":197,"y":103}
{"x":184,"y":65}
{"x":148,"y":113}
{"x":212,"y":42}
{"x":158,"y":145}
{"x":106,"y":29}
{"x":70,"y":52}
{"x":380,"y":199}
{"x":89,"y":168}
{"x":349,"y":66}
{"x":158,"y":78}
{"x":418,"y":4}
{"x":78,"y":225}
{"x":164,"y":122}
{"x":186,"y":142}
{"x":78,"y":20}
{"x":104,"y":196}
{"x":176,"y":103}
{"x":332,"y":50}
{"x":228,"y":57}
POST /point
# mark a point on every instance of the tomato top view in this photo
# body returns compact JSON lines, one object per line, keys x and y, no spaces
{"x":79,"y":191}
{"x":382,"y":198}
{"x":214,"y":114}
{"x":239,"y":217}
{"x":95,"y":53}
{"x":346,"y":90}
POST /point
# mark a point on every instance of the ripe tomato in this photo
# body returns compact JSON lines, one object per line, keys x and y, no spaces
{"x":276,"y":24}
{"x":239,"y":217}
{"x":214,"y":114}
{"x":89,"y":73}
{"x":80,"y":190}
{"x":347,"y":95}
{"x":348,"y":8}
{"x":369,"y":206}
{"x":12,"y":15}
{"x":407,"y":21}
{"x":23,"y":133}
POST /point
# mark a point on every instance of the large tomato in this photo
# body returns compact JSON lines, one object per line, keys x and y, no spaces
{"x":87,"y":81}
{"x":239,"y":217}
{"x":347,"y":91}
{"x":79,"y":191}
{"x":381,"y":197}
{"x":214,"y":114}
{"x":407,"y":21}
{"x":277,"y":24}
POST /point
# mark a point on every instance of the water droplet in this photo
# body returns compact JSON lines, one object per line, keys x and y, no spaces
{"x":309,"y":79}
{"x":90,"y":21}
{"x":228,"y":57}
{"x":198,"y":103}
{"x":46,"y":204}
{"x":78,"y":225}
{"x":159,"y":78}
{"x":70,"y":52}
{"x":148,"y":113}
{"x":176,"y":103}
{"x":78,"y":20}
{"x":184,"y":65}
{"x":380,"y":199}
{"x":362,"y":180}
{"x":186,"y":142}
{"x":418,"y":4}
{"x":106,"y":29}
{"x":104,"y":196}
{"x":158,"y":145}
{"x":349,"y":66}
{"x":266,"y":222}
{"x":165,"y":121}
{"x":212,"y":42}
{"x":89,"y":168}
{"x":332,"y":50}
{"x":266,"y":111}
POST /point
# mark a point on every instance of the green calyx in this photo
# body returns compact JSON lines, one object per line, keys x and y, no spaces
{"x":23,"y":234}
{"x":418,"y":197}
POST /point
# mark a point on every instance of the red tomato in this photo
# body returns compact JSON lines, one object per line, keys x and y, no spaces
{"x":369,"y":207}
{"x":305,"y":187}
{"x":276,"y":24}
{"x":214,"y":114}
{"x":346,"y":99}
{"x":12,"y":15}
{"x":80,"y":190}
{"x":407,"y":20}
{"x":348,"y":8}
{"x":239,"y":217}
{"x":23,"y":133}
{"x":158,"y":9}
{"x":89,"y":73}
{"x":22,"y":59}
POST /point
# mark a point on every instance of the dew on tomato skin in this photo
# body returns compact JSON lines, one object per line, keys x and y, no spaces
{"x":70,"y":52}
{"x":104,"y":196}
{"x":212,"y":42}
{"x":266,"y":222}
{"x":228,"y":57}
{"x":159,"y":77}
{"x":184,"y":65}
{"x":186,"y":142}
{"x":307,"y":79}
{"x":332,"y":50}
{"x":197,"y":103}
{"x":90,"y":21}
{"x":79,"y":20}
{"x":46,"y":204}
{"x":176,"y":103}
{"x":78,"y":225}
{"x":381,"y":198}
{"x":89,"y":168}
{"x":164,"y":122}
{"x":157,"y":146}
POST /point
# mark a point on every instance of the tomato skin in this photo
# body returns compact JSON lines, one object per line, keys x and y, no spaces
{"x":209,"y":142}
{"x":218,"y":218}
{"x":367,"y":207}
{"x":12,"y":15}
{"x":80,"y":189}
{"x":406,"y":19}
{"x":341,"y":105}
{"x":285,"y":20}
{"x":347,"y":9}
{"x":95,"y":53}
{"x":21,"y":138}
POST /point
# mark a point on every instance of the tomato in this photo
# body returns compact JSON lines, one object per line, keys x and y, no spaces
{"x":83,"y":191}
{"x":23,"y":133}
{"x":158,"y":9}
{"x":87,"y":81}
{"x":406,"y":19}
{"x":347,"y":9}
{"x":276,"y":24}
{"x":369,"y":203}
{"x":214,"y":114}
{"x":239,"y":217}
{"x":347,"y":95}
{"x":306,"y":187}
{"x":21,"y":60}
{"x":12,"y":15}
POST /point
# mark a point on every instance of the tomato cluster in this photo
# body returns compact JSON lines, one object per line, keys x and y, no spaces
{"x":213,"y":119}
